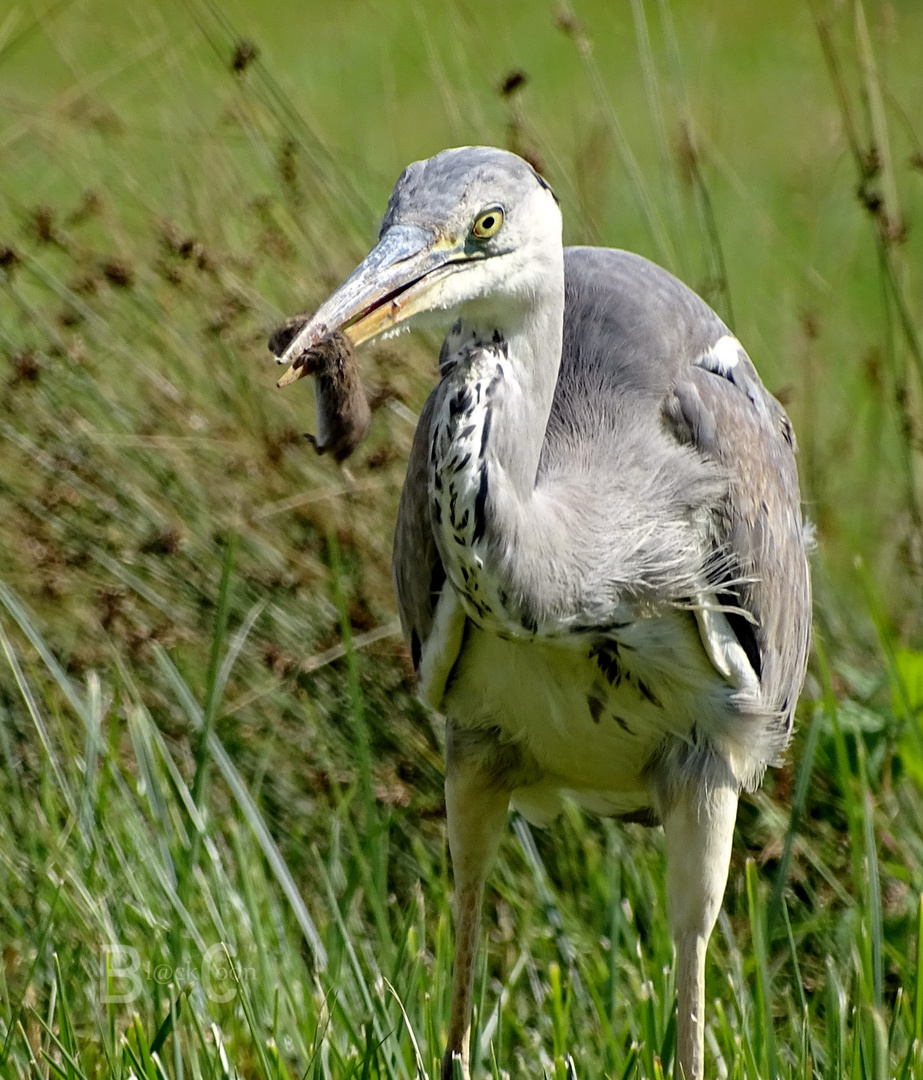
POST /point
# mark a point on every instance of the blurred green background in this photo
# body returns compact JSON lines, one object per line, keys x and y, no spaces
{"x":178,"y":177}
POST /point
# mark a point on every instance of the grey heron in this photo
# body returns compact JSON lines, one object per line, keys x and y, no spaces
{"x":600,"y":555}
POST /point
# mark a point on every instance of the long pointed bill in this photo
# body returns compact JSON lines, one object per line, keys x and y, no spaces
{"x":388,"y":287}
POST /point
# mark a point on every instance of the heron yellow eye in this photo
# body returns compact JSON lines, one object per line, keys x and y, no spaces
{"x":488,"y":223}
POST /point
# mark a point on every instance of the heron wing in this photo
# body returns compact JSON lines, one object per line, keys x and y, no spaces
{"x":432,"y":618}
{"x":649,"y":372}
{"x":728,"y":417}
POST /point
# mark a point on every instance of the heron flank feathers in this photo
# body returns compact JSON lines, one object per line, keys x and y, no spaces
{"x":600,"y":557}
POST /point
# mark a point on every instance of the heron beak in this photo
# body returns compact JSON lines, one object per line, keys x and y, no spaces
{"x":389,"y":286}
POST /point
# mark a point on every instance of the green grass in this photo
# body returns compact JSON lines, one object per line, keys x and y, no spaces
{"x":208,"y":735}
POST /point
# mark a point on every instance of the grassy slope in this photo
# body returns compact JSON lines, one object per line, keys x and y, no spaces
{"x":163,"y":214}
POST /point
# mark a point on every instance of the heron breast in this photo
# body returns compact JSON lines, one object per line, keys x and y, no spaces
{"x":580,"y":717}
{"x":459,"y":488}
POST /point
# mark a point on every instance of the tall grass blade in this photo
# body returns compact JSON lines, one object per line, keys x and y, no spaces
{"x":37,"y":720}
{"x":764,"y":1023}
{"x":168,"y":1026}
{"x":874,"y":895}
{"x":363,"y":745}
{"x":654,"y":94}
{"x":918,"y":989}
{"x":214,"y":669}
{"x":43,"y":935}
{"x":20,"y":615}
{"x":664,"y":248}
{"x":250,"y":811}
{"x":802,"y":783}
{"x":247,"y":1006}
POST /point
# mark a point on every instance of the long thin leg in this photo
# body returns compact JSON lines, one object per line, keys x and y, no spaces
{"x":699,"y":829}
{"x":476,"y":813}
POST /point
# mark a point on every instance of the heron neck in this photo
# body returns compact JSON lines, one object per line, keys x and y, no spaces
{"x":487,"y":440}
{"x":526,"y":357}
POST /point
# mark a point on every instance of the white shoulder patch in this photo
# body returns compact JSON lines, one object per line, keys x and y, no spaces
{"x":722,"y":357}
{"x":723,"y":648}
{"x":441,"y":648}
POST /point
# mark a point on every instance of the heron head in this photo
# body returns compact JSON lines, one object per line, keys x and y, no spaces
{"x":469,"y":231}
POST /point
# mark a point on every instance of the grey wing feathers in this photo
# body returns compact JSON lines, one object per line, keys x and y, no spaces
{"x":738,"y":424}
{"x":629,"y":326}
{"x":635,"y":334}
{"x":416,"y":567}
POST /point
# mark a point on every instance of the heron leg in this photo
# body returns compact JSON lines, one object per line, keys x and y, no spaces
{"x":699,"y":828}
{"x":476,"y":812}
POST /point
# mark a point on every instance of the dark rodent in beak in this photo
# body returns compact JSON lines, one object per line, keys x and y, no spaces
{"x":343,"y":414}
